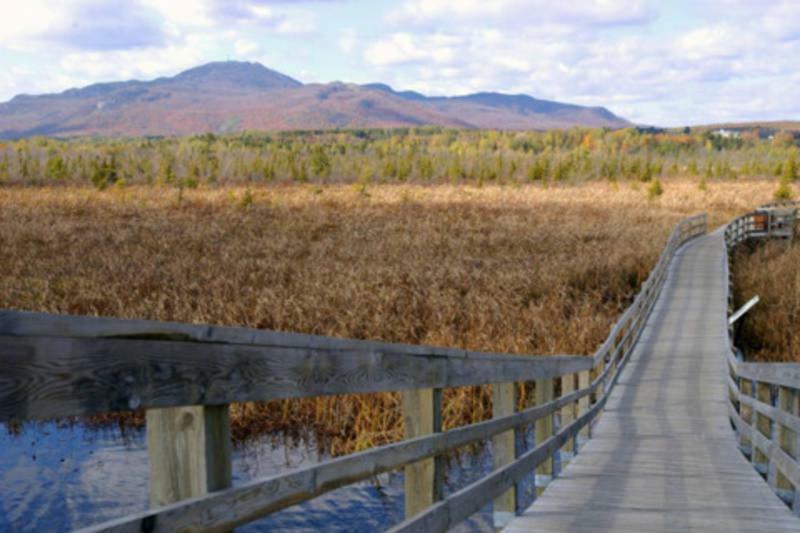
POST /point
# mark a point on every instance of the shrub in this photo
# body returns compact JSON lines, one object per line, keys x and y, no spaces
{"x":789,"y":173}
{"x":246,"y":200}
{"x":56,"y":168}
{"x":655,"y":189}
{"x":784,"y":191}
{"x":104,"y":173}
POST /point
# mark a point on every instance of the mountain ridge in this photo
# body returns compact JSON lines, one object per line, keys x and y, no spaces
{"x":234,"y":96}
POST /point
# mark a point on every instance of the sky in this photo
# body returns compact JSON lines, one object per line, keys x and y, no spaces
{"x":665,"y":63}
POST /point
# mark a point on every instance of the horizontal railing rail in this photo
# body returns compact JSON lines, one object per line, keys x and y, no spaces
{"x":58,"y":376}
{"x":185,"y":375}
{"x":764,"y":398}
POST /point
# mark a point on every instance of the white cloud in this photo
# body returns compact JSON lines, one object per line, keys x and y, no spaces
{"x":711,"y":42}
{"x":88,"y":67}
{"x":84,"y":24}
{"x":348,"y":40}
{"x":402,"y":48}
{"x":523,"y":12}
{"x":245,"y":47}
{"x":297,"y":23}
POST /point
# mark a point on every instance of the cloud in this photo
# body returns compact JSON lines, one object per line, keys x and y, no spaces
{"x":781,"y":21}
{"x":428,"y":13}
{"x":281,"y":16}
{"x":298,"y":22}
{"x":111,"y":25}
{"x":90,"y":66}
{"x":348,"y":40}
{"x":711,"y":42}
{"x":405,"y":48}
{"x":83,"y":25}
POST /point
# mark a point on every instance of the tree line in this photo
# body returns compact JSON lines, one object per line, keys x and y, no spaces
{"x":420,"y":155}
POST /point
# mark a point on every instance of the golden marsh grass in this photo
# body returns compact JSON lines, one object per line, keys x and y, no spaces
{"x":769,"y":331}
{"x":526,"y":270}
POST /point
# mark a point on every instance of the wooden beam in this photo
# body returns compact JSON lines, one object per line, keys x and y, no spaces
{"x":786,"y":374}
{"x":763,"y":426}
{"x":746,"y":413}
{"x":32,"y":324}
{"x":544,"y":430}
{"x":583,"y":403}
{"x":189,"y":449}
{"x":422,"y":415}
{"x":568,"y":414}
{"x":504,"y":401}
{"x":49,"y":377}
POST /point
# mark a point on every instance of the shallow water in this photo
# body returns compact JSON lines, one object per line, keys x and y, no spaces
{"x":59,"y":478}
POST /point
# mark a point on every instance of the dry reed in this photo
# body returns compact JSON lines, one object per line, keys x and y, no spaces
{"x":770,"y":270}
{"x":526,"y":270}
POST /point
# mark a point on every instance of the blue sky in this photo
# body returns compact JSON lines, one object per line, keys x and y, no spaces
{"x":665,"y":63}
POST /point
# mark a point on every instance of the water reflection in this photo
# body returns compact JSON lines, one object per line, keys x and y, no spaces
{"x":61,"y":477}
{"x":57,"y":478}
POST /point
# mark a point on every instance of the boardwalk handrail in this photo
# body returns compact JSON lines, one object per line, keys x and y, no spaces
{"x":764,"y":398}
{"x":57,"y":365}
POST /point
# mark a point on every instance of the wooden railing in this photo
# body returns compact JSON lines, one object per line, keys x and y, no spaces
{"x":764,"y":398}
{"x":186,"y":375}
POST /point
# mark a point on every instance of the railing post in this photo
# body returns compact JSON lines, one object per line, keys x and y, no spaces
{"x":189,"y":449}
{"x":567,"y":417}
{"x":612,"y":363}
{"x":786,"y":439}
{"x":595,"y":373}
{"x":746,"y":412}
{"x":763,"y":425}
{"x":504,"y":401}
{"x":583,"y":405}
{"x":424,"y":480}
{"x":544,"y":430}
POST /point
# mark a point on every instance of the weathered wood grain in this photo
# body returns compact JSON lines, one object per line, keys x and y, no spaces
{"x":422,"y":415}
{"x":27,"y":324}
{"x":544,"y":430}
{"x":785,"y":374}
{"x":583,"y":402}
{"x":504,"y":402}
{"x":568,"y":414}
{"x":47,"y":377}
{"x":189,"y":451}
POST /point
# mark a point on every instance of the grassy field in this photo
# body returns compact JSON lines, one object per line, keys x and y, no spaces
{"x":521,"y":269}
{"x":769,"y":332}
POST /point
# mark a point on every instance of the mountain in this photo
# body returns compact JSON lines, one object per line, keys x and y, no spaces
{"x":517,"y":111}
{"x":235,"y":96}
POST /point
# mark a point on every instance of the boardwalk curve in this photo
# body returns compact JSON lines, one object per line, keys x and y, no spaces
{"x":663,"y":456}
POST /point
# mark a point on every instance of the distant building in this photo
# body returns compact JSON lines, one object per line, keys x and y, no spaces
{"x":727,"y":134}
{"x":649,"y":129}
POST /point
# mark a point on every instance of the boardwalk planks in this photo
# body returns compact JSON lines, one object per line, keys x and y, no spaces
{"x":663,"y":457}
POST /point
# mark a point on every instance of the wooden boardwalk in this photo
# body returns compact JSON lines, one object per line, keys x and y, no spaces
{"x":663,"y":457}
